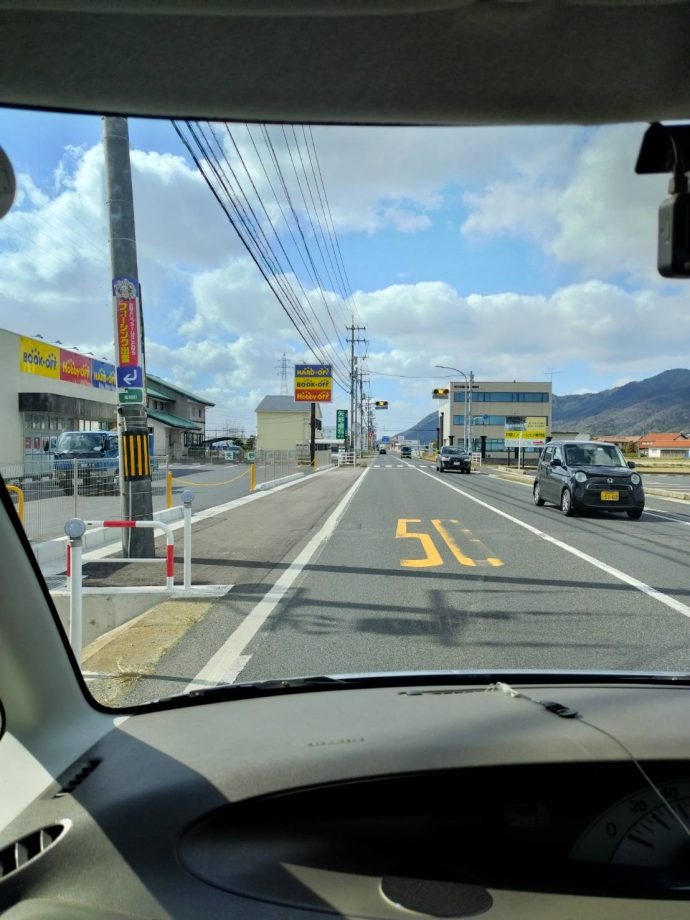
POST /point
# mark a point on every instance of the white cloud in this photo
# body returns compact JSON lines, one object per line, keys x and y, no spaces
{"x":598,"y":216}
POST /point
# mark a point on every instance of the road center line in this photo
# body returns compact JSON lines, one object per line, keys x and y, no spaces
{"x":226,"y":659}
{"x":659,"y":596}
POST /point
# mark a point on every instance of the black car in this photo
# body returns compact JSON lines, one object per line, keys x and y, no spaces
{"x":453,"y":459}
{"x":588,"y":475}
{"x":382,"y":450}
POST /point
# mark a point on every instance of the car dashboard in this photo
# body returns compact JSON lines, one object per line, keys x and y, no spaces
{"x":445,"y":801}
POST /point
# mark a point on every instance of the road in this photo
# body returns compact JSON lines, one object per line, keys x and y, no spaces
{"x":428,"y":571}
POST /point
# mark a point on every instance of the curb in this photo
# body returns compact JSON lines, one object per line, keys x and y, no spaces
{"x":276,"y":482}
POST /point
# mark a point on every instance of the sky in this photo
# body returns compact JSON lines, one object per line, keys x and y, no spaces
{"x":516,"y":253}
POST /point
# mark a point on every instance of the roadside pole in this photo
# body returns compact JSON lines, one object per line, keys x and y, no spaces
{"x":135,"y":464}
{"x":312,"y":435}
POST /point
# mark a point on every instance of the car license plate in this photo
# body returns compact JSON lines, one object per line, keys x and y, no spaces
{"x":610,"y":496}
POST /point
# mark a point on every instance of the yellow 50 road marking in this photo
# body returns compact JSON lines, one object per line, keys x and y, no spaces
{"x":455,"y":550}
{"x":432,"y":557}
{"x":451,"y":544}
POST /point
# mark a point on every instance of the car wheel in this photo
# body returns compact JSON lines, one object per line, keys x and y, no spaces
{"x":635,"y":514}
{"x":536,"y":495}
{"x":567,"y":506}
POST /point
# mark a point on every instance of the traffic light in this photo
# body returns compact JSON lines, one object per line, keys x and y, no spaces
{"x":381,"y":404}
{"x":440,"y":393}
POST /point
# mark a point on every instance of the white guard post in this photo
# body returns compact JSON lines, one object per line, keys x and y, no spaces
{"x":187,"y":499}
{"x":74,"y":528}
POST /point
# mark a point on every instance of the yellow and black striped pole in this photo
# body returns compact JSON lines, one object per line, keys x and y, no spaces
{"x":136,"y":462}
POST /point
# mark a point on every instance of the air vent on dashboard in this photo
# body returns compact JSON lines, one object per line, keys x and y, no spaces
{"x":22,"y":851}
{"x":85,"y":769}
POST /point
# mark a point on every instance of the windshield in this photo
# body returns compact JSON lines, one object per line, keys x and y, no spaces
{"x":78,"y":441}
{"x":298,"y":301}
{"x":601,"y":455}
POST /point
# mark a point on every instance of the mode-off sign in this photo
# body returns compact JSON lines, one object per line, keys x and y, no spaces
{"x":313,"y":383}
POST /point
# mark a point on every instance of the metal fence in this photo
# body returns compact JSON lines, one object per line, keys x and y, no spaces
{"x":79,"y":488}
{"x":276,"y":464}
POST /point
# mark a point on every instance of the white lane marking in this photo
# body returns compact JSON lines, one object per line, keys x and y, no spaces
{"x":225,"y":660}
{"x":641,"y":586}
{"x":667,"y":517}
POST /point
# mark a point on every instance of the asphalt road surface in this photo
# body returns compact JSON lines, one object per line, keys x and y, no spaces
{"x":403,"y":568}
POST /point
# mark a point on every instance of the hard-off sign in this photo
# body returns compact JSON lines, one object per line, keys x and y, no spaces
{"x":313,"y":383}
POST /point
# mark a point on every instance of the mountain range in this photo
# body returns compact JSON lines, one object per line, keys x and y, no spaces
{"x":659,"y":403}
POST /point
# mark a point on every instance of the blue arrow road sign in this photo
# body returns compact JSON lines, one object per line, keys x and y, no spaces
{"x":130,"y":377}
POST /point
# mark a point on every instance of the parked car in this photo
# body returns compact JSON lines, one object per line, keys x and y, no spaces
{"x":588,"y":475}
{"x":89,"y":460}
{"x":405,"y":451}
{"x":454,"y":460}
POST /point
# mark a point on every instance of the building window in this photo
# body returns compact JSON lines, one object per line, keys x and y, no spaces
{"x":506,"y":396}
{"x":192,"y":438}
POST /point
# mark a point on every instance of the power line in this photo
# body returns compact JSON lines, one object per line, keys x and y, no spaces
{"x":244,"y":221}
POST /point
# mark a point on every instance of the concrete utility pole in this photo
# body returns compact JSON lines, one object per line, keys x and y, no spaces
{"x":469,"y":413}
{"x":353,"y":383}
{"x":133,"y":434}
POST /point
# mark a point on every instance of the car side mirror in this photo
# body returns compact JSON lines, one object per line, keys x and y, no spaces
{"x":631,"y":464}
{"x":556,"y":462}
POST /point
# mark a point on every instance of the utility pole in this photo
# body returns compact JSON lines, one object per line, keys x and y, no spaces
{"x":469,"y":413}
{"x":353,"y":384}
{"x":133,"y":434}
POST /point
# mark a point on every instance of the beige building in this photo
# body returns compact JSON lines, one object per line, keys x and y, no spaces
{"x":283,"y":424}
{"x":497,"y":407}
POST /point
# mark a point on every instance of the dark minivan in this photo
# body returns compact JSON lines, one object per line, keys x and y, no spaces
{"x":588,"y":475}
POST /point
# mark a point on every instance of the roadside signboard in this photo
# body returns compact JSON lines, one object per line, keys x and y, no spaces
{"x":130,"y":377}
{"x":525,"y":431}
{"x":128,"y":346}
{"x":529,"y":438}
{"x":130,"y":396}
{"x":313,"y":383}
{"x":341,"y":423}
{"x":128,"y":333}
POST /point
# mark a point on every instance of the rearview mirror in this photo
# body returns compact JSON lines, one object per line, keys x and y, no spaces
{"x":631,"y":464}
{"x":556,"y":462}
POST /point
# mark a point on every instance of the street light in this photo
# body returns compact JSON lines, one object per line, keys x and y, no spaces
{"x":467,"y":419}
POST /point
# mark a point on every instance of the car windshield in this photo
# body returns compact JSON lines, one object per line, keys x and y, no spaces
{"x":291,"y":296}
{"x":599,"y":455}
{"x":79,"y":440}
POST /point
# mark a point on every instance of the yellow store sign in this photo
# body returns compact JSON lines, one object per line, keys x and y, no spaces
{"x":534,"y":434}
{"x":39,"y":358}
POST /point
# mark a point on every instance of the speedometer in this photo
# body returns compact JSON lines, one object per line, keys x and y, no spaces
{"x":641,"y":830}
